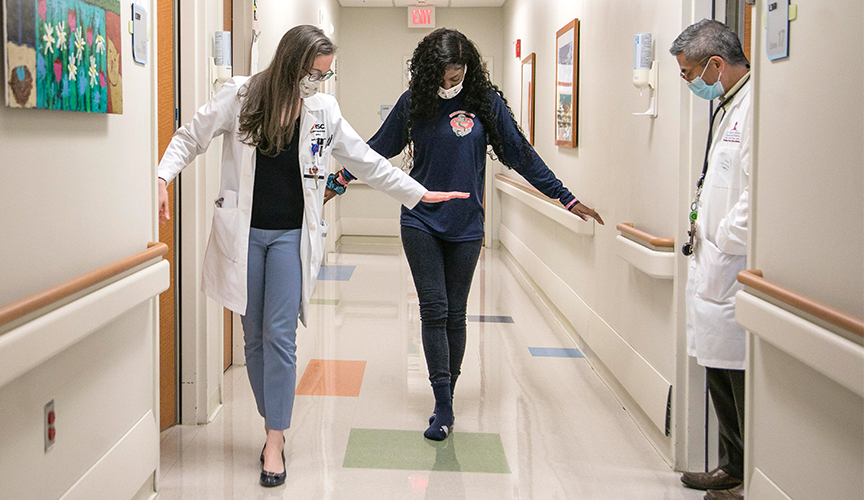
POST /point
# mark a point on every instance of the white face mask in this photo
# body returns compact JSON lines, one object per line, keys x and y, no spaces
{"x":308,"y":87}
{"x":454,"y":90}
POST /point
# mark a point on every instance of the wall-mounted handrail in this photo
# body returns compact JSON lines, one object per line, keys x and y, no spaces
{"x":38,"y":300}
{"x":542,"y":204}
{"x":628,"y":229}
{"x":846,"y":321}
{"x":528,"y":189}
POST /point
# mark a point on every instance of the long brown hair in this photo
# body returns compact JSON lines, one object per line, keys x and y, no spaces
{"x":274,"y":93}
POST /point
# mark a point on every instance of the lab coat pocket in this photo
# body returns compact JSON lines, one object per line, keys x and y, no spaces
{"x":224,"y":224}
{"x":717,"y":272}
{"x":726,"y":168}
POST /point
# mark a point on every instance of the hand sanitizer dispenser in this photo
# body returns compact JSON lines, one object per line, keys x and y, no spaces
{"x":645,"y":70}
{"x":221,"y":67}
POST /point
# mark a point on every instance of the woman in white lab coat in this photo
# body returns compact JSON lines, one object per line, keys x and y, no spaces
{"x":267,"y":240}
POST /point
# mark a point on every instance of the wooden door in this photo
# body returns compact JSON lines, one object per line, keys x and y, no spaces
{"x":167,"y":301}
{"x":227,"y":315}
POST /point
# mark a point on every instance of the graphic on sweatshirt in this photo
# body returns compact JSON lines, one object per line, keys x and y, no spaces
{"x":462,"y":122}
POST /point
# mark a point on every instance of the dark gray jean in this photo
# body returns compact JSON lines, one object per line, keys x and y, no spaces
{"x":442,"y":272}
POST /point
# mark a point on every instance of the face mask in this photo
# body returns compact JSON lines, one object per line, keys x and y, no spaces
{"x":308,"y":87}
{"x":454,"y":90}
{"x":705,"y":91}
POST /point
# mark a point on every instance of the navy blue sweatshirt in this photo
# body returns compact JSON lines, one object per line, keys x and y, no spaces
{"x":450,"y":155}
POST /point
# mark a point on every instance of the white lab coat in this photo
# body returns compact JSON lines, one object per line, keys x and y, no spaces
{"x":713,"y":336}
{"x":225,"y":259}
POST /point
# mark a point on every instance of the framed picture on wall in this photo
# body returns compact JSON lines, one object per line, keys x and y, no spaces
{"x":63,"y":55}
{"x":526,"y":117}
{"x":567,"y":85}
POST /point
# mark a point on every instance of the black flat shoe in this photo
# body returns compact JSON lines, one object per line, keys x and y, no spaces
{"x":271,"y":479}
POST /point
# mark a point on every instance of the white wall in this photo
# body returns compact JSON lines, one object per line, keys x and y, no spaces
{"x":808,"y":236}
{"x":78,"y":194}
{"x":275,"y":18}
{"x":628,"y":167}
{"x":808,"y":225}
{"x":375,"y":42}
{"x":200,"y":318}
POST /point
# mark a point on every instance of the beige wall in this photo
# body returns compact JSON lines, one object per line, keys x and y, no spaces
{"x":808,"y":236}
{"x":808,"y":224}
{"x":630,"y":168}
{"x":78,"y":193}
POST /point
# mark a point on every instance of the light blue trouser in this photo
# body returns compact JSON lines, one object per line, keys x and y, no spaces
{"x":270,"y":323}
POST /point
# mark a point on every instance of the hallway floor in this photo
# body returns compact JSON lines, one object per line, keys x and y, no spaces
{"x":533,"y":420}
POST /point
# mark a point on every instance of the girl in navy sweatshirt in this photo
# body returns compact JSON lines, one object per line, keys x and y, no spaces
{"x":449,"y":115}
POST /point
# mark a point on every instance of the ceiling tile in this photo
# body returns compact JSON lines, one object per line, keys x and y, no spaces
{"x":366,"y":3}
{"x":476,"y":3}
{"x":431,"y":3}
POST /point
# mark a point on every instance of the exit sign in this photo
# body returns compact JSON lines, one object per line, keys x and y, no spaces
{"x":421,"y":17}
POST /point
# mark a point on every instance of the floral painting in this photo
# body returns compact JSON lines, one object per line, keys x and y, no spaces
{"x":64,"y":55}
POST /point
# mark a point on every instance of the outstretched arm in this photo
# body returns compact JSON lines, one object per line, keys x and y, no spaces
{"x":429,"y":197}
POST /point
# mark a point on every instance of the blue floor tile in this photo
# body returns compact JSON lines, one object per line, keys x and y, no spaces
{"x":490,"y":319}
{"x":335,"y":273}
{"x":555,"y":352}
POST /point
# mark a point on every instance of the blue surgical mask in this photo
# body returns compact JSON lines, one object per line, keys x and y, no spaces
{"x":705,"y":91}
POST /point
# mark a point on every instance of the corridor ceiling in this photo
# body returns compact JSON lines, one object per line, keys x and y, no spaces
{"x":433,"y":3}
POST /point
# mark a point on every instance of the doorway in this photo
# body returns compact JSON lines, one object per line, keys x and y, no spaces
{"x":167,"y":124}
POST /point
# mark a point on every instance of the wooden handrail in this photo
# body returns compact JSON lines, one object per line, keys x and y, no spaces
{"x":46,"y":297}
{"x":528,"y":189}
{"x":627,"y":227}
{"x":753,"y":279}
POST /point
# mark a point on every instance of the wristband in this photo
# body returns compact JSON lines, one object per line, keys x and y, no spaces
{"x":572,"y":202}
{"x":331,"y":183}
{"x":341,"y":179}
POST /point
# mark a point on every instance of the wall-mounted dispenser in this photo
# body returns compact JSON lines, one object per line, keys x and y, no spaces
{"x":220,"y":70}
{"x":645,"y":70}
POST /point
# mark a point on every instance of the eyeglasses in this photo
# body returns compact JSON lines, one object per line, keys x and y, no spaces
{"x":317,"y":76}
{"x":685,"y":74}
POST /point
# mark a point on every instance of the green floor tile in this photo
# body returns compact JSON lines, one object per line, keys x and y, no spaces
{"x":324,"y":302}
{"x":409,"y":450}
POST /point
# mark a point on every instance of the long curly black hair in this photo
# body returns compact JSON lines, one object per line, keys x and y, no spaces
{"x":439,"y":51}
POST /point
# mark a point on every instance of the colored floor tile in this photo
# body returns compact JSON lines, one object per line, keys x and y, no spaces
{"x":490,"y":319}
{"x":332,"y":378}
{"x":324,"y":302}
{"x":555,"y":352}
{"x":409,"y":450}
{"x":335,"y":273}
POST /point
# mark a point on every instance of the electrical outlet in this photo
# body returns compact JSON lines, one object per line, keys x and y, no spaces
{"x":50,"y":429}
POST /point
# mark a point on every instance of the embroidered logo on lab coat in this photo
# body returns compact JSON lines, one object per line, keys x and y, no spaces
{"x":733,"y":135}
{"x":462,"y":122}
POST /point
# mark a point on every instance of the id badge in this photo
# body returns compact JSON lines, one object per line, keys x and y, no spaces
{"x":312,"y":176}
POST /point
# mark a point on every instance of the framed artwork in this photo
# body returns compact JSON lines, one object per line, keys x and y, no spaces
{"x":63,"y":54}
{"x":567,"y":85}
{"x":526,"y":117}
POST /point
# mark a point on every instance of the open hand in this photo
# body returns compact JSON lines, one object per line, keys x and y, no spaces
{"x":439,"y":196}
{"x":585,"y":211}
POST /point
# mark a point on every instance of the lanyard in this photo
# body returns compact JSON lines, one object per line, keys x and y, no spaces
{"x":694,"y":207}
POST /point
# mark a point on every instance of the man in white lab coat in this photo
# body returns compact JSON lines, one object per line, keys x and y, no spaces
{"x":714,"y":66}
